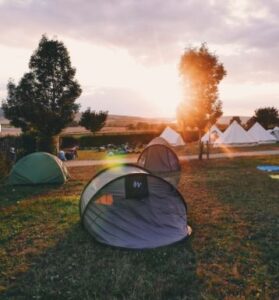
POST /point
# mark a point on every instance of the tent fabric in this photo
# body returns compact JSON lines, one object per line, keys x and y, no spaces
{"x":172,"y":137}
{"x":214,"y":132}
{"x":261,"y":135}
{"x":158,"y":156}
{"x":159,"y":140}
{"x":275,"y":133}
{"x":235,"y":136}
{"x":117,"y":218}
{"x":38,"y":168}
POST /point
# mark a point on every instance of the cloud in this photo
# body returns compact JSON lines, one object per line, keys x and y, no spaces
{"x":244,"y":34}
{"x":115,"y":100}
{"x":152,"y":31}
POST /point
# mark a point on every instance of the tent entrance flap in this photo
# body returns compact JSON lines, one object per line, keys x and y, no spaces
{"x":136,"y":186}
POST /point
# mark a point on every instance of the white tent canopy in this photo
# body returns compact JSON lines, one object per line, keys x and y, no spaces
{"x":235,"y":136}
{"x":214,"y":132}
{"x":172,"y":137}
{"x":261,"y":135}
{"x":275,"y":133}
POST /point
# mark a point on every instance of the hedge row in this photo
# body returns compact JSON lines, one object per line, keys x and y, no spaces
{"x":5,"y":166}
{"x":27,"y":144}
{"x":97,"y":141}
{"x":101,"y":140}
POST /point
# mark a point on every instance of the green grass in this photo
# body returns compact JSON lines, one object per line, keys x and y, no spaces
{"x":232,"y":254}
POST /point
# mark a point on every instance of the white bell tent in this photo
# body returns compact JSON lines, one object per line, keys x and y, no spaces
{"x":213,"y":133}
{"x":172,"y":137}
{"x":275,"y":133}
{"x":261,"y":135}
{"x":235,"y":136}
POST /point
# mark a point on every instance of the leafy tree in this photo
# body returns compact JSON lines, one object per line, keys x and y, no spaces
{"x":92,"y":120}
{"x":235,"y":118}
{"x":268,"y":117}
{"x":201,"y":73}
{"x":44,"y":99}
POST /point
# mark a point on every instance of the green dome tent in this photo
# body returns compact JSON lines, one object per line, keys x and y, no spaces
{"x":38,"y":168}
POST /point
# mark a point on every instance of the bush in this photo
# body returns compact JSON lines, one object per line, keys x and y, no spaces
{"x":24,"y":144}
{"x":90,"y":141}
{"x":68,"y":142}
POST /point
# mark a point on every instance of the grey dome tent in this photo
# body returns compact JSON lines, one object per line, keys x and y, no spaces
{"x":126,"y":206}
{"x":159,"y":158}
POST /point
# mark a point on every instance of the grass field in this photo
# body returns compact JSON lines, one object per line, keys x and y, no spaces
{"x":189,"y":149}
{"x":232,"y":254}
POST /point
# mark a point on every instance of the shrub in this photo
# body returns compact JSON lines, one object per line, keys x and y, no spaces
{"x":89,"y":141}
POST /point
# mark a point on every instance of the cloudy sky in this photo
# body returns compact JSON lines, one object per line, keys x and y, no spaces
{"x":127,"y":52}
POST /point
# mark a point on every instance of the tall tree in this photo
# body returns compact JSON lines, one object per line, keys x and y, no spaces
{"x":92,"y":120}
{"x":268,"y":117}
{"x":44,"y":99}
{"x":201,"y":73}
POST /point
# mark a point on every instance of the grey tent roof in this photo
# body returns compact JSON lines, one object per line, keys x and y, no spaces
{"x":158,"y":156}
{"x":125,"y":206}
{"x":159,"y":141}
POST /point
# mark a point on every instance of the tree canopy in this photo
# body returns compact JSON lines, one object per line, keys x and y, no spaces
{"x":44,"y":99}
{"x":201,"y":72}
{"x":268,"y":117}
{"x":92,"y":120}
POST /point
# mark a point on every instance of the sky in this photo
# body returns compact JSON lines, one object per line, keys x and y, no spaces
{"x":127,"y":53}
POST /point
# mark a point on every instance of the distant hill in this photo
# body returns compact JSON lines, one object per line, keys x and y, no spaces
{"x":119,"y":120}
{"x":122,"y":121}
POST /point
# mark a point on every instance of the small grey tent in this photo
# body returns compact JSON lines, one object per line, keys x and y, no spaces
{"x":125,"y":206}
{"x":158,"y":156}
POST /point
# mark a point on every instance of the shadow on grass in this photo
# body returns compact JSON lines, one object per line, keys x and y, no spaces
{"x":237,"y":207}
{"x":10,"y":194}
{"x":80,"y":268}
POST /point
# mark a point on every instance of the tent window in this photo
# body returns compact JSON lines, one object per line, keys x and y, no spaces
{"x":136,"y":186}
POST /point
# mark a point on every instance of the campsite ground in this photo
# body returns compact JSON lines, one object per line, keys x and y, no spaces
{"x":232,"y":254}
{"x":191,"y":148}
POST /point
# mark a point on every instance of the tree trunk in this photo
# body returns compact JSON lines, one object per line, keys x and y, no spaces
{"x":200,"y":146}
{"x":47,"y":144}
{"x":209,"y":141}
{"x":207,"y":149}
